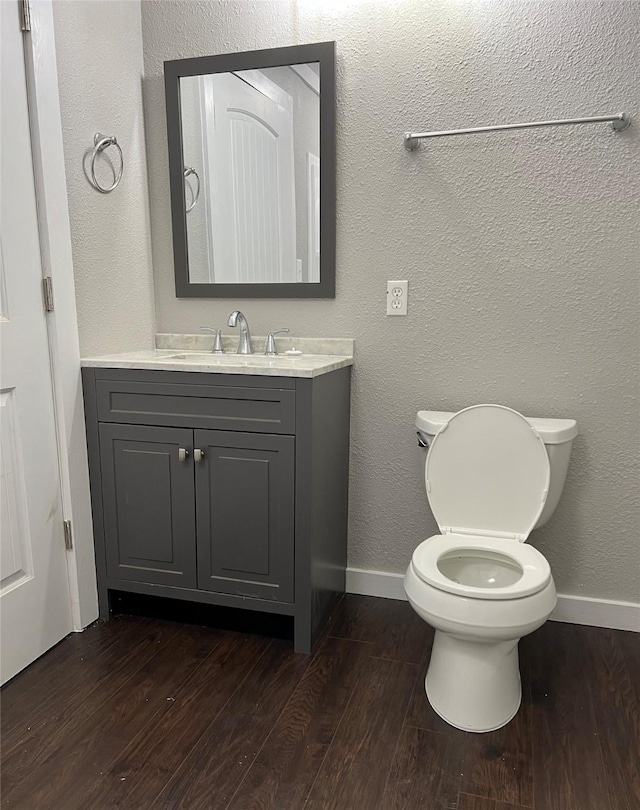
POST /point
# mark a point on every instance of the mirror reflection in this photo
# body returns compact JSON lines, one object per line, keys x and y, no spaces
{"x":251,"y":147}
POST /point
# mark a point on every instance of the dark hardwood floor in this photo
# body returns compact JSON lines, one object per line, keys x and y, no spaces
{"x":149,"y":713}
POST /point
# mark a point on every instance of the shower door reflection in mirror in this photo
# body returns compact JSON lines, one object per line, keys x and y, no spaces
{"x":251,"y":136}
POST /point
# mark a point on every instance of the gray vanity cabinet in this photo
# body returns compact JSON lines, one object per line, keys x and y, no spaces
{"x":148,"y":498}
{"x":223,"y":489}
{"x":245,"y":514}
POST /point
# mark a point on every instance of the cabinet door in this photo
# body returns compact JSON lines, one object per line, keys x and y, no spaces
{"x":245,"y":514}
{"x":148,"y":497}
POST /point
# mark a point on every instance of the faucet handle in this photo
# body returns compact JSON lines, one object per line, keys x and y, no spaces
{"x":271,"y":343}
{"x":217,"y":341}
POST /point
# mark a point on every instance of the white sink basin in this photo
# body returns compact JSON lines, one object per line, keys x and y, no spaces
{"x":233,"y":359}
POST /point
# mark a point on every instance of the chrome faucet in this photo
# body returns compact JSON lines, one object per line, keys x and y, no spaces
{"x":271,"y":342}
{"x":244,"y":344}
{"x":217,"y":340}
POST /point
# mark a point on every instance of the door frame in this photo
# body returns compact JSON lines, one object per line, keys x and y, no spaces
{"x":62,"y":325}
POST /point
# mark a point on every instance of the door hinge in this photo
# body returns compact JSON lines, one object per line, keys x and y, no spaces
{"x":68,"y":535}
{"x":25,"y":14}
{"x":47,"y":291}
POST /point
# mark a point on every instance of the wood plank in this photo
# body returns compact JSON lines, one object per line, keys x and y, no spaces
{"x":93,"y":676}
{"x":569,"y":772}
{"x":629,"y":643}
{"x":57,"y":673}
{"x":211,"y":773}
{"x":425,"y":772}
{"x":617,"y":711}
{"x":284,"y":771}
{"x":359,"y":759}
{"x":468,"y":802}
{"x":141,"y":771}
{"x":87,"y":750}
{"x":391,"y":625}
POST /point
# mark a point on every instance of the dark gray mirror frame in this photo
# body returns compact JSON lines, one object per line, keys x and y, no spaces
{"x":322,"y":52}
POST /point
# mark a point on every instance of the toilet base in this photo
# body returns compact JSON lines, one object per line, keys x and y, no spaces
{"x":473,"y":685}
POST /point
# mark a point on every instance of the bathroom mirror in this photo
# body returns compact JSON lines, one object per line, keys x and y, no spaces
{"x":251,"y":140}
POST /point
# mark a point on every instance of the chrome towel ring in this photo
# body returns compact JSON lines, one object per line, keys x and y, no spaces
{"x":188,"y":171}
{"x":101,"y":142}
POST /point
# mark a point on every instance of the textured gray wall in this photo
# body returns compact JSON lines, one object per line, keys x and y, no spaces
{"x":521,"y":249}
{"x":99,"y":55}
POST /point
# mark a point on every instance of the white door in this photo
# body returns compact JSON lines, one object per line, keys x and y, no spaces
{"x":35,"y":607}
{"x":251,"y":193}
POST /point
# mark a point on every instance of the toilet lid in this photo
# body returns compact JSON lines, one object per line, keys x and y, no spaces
{"x":487,"y":473}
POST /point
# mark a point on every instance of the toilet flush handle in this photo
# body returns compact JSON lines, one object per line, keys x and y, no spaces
{"x":421,"y":440}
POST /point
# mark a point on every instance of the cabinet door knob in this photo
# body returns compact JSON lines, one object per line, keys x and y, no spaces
{"x":183,"y":454}
{"x":198,"y":454}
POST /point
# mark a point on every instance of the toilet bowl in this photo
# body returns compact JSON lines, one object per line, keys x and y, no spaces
{"x":487,"y":474}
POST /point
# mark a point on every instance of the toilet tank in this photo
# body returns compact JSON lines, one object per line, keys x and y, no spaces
{"x":557,"y":435}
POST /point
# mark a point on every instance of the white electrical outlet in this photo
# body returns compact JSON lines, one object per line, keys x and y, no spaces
{"x":397,"y":295}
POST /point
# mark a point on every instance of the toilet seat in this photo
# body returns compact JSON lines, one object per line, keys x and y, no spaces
{"x":536,"y":572}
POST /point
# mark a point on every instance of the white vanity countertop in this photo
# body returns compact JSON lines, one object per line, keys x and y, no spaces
{"x":195,"y":358}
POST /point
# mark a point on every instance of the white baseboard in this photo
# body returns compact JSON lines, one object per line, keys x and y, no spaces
{"x":571,"y":609}
{"x":597,"y":612}
{"x":375,"y":583}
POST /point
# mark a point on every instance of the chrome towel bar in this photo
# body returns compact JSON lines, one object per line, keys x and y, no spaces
{"x":619,"y":122}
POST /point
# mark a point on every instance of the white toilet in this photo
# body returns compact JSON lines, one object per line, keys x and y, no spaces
{"x":492,"y":475}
